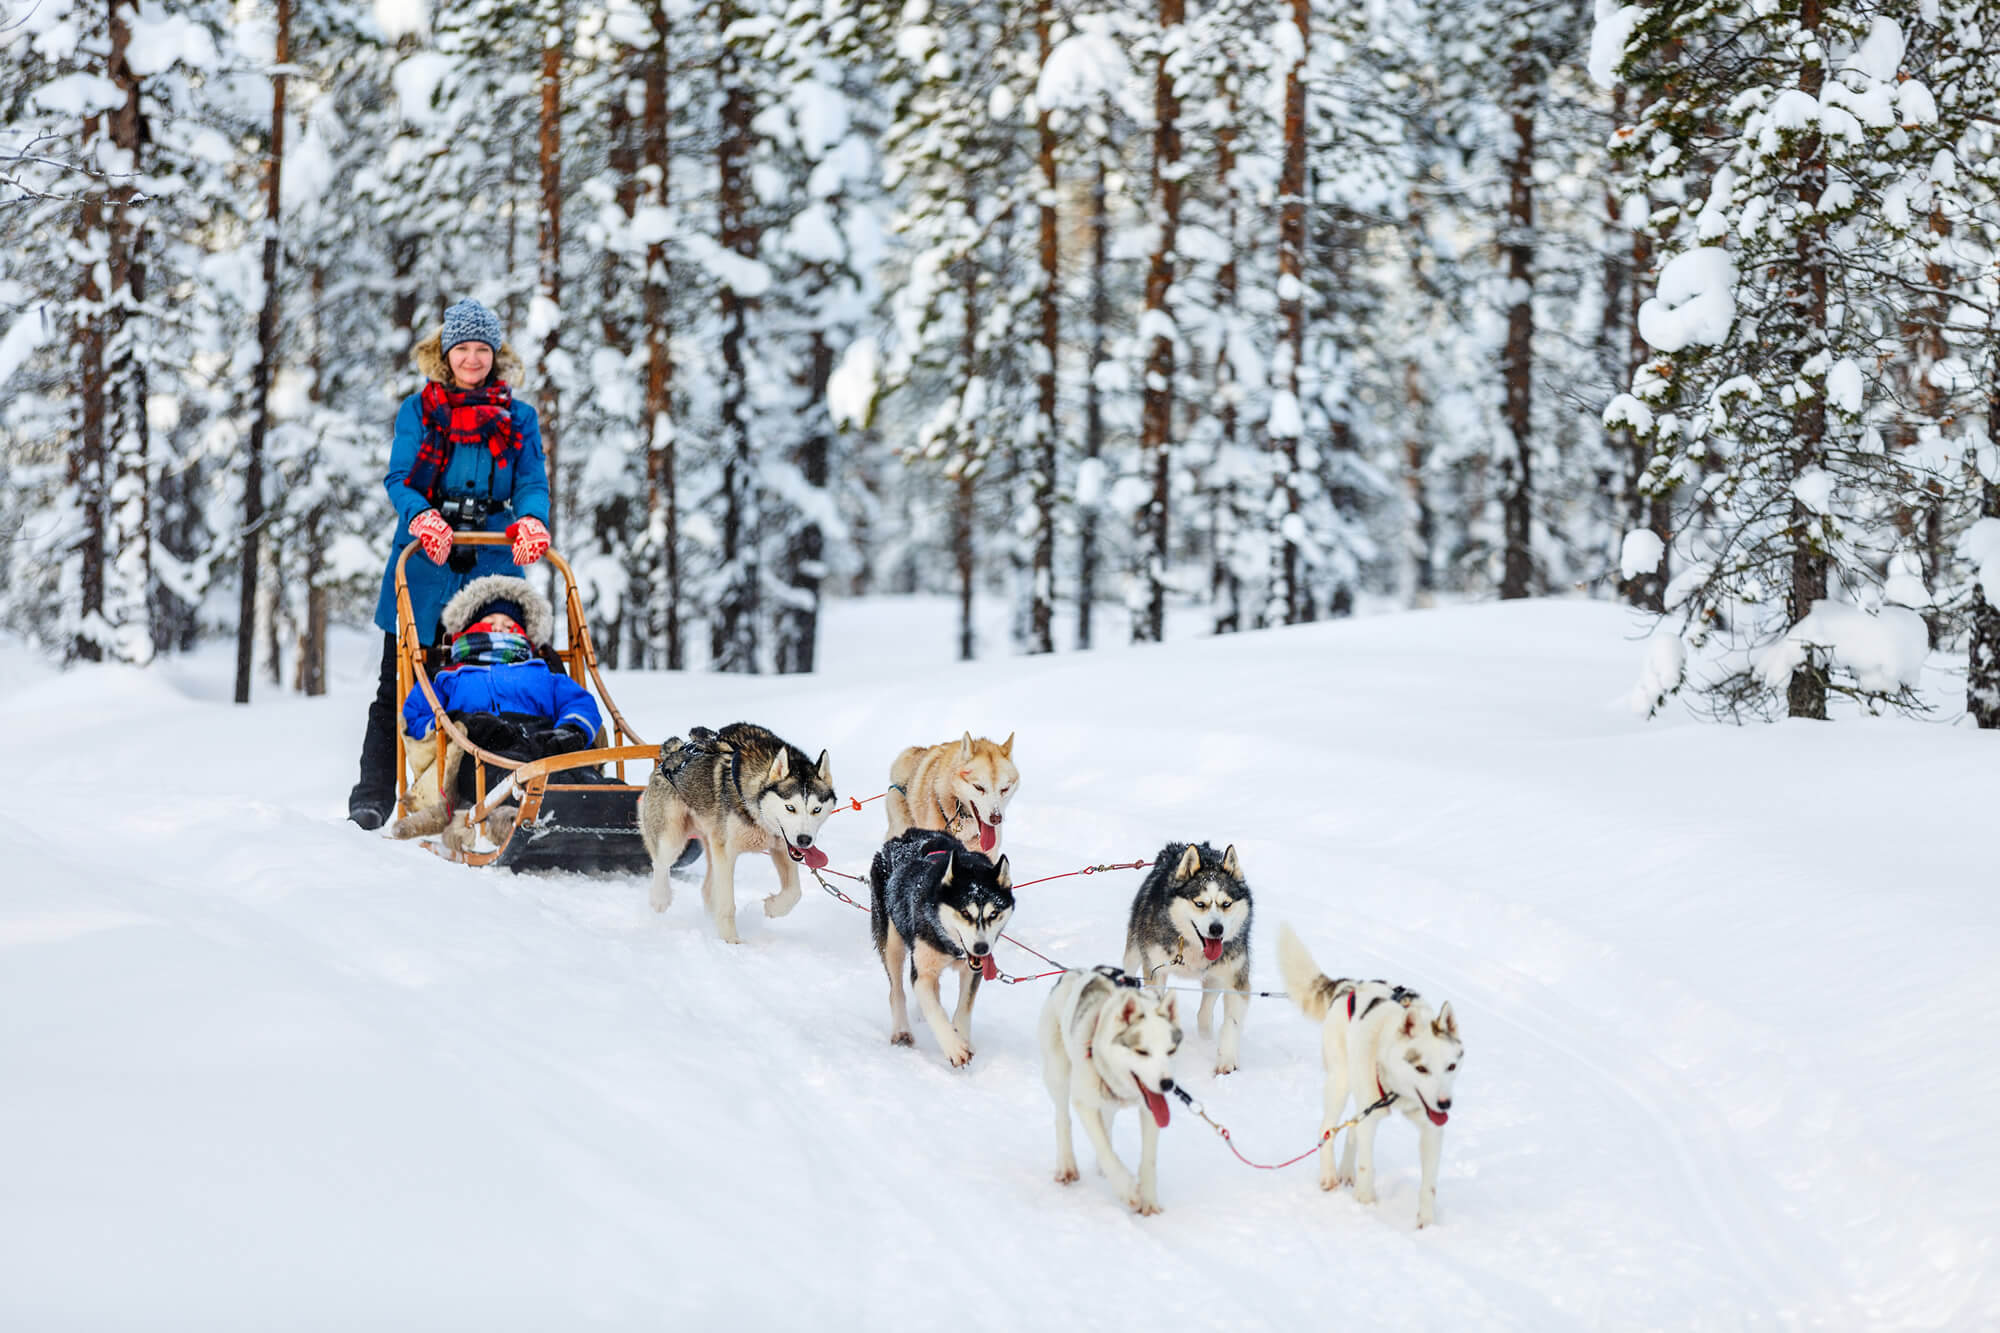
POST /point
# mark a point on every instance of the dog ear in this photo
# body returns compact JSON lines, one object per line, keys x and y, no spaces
{"x":780,"y":767}
{"x":1007,"y":746}
{"x":1409,"y":1024}
{"x":1167,"y":1010}
{"x":1230,"y":865}
{"x":965,"y":748}
{"x":1005,"y":879}
{"x":1130,"y":1011}
{"x":949,"y":862}
{"x":1447,"y":1022}
{"x":1190,"y":864}
{"x":824,"y":769}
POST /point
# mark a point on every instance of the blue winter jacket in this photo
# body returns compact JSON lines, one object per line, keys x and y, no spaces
{"x":522,"y":687}
{"x":524,"y":483}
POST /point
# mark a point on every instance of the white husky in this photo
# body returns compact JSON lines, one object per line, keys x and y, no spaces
{"x":1382,"y":1044}
{"x":1106,"y":1044}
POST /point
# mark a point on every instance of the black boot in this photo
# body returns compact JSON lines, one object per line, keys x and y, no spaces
{"x":373,"y":799}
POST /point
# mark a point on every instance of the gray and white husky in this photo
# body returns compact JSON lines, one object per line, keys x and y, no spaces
{"x":1191,"y":918}
{"x":1377,"y":1041}
{"x":942,"y":907}
{"x":1108,"y":1043}
{"x":737,"y":790}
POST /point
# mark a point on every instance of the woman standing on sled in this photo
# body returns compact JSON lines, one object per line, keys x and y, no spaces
{"x":467,"y":457}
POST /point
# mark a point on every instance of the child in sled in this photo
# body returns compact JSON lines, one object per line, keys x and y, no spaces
{"x":505,"y":698}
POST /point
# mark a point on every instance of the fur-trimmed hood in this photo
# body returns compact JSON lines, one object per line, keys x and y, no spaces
{"x":428,"y":357}
{"x":539,"y":619}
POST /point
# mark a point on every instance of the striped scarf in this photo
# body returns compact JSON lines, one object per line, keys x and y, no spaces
{"x":486,"y":648}
{"x":451,"y":417}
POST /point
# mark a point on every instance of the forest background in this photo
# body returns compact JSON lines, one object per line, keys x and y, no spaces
{"x":1256,"y":313}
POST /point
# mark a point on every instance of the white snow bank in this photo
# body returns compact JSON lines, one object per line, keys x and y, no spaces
{"x":1696,"y":301}
{"x":30,"y":329}
{"x":851,"y":388}
{"x":1640,"y":553}
{"x":1980,"y":544}
{"x":1083,"y":70}
{"x":1884,"y":652}
{"x":1608,"y":36}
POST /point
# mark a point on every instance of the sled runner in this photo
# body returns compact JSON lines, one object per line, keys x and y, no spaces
{"x":564,"y":823}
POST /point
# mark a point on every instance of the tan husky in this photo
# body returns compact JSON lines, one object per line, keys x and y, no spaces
{"x":961,"y":787}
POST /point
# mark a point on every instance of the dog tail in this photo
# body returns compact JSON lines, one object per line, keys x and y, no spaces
{"x":1309,"y":987}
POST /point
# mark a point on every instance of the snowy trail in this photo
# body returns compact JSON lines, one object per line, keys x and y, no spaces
{"x":268,"y":1070}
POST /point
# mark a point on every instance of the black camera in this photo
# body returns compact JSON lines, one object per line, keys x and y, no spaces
{"x":467,"y":513}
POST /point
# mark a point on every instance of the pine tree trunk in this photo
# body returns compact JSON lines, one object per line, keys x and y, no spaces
{"x":1982,"y":677}
{"x":1285,"y":600}
{"x":662,"y":501}
{"x":129,"y":573}
{"x":549,"y":278}
{"x":1093,"y":405}
{"x":1041,"y":593}
{"x":267,"y":353}
{"x":1518,"y":358}
{"x":1224,"y":586}
{"x":962,"y":516}
{"x":733,"y":635}
{"x":85,"y":472}
{"x":1157,"y":404}
{"x":1805,"y":696}
{"x":798,"y":623}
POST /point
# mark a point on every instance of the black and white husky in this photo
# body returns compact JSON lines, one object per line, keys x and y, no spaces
{"x":1191,"y":918}
{"x":942,"y":907}
{"x":1108,"y":1043}
{"x":1383,"y":1046}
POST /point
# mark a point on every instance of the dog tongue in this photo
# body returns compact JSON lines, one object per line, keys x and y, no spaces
{"x":1156,"y":1103}
{"x":987,"y":835}
{"x":1211,"y":949}
{"x":814,"y":858}
{"x":988,"y":968}
{"x":1437,"y":1117}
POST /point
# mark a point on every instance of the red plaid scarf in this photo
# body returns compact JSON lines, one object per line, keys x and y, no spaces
{"x":451,"y":417}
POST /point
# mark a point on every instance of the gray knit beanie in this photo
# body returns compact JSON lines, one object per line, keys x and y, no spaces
{"x":471,"y":322}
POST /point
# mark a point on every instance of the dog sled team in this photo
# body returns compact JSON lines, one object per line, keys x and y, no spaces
{"x":941,"y":895}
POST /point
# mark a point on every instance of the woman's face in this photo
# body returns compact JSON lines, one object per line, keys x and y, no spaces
{"x":470,"y":364}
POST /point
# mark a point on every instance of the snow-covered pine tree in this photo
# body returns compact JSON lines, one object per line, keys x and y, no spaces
{"x":1768,"y":322}
{"x":961,"y":168}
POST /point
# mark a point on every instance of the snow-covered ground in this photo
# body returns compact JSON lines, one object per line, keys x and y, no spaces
{"x":1726,"y":995}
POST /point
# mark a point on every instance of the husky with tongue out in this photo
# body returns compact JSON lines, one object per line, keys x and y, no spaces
{"x":1382,"y":1045}
{"x":1191,"y":918}
{"x":1108,"y":1043}
{"x":943,"y":908}
{"x":734,"y":792}
{"x":961,"y":787}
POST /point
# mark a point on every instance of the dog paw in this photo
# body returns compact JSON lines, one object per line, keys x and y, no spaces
{"x":959,"y":1054}
{"x":1147,"y":1208}
{"x":1066,"y":1174}
{"x":1328,"y":1181}
{"x":901,"y":1039}
{"x":1364,"y":1194}
{"x":780,"y":903}
{"x":1225,"y":1067}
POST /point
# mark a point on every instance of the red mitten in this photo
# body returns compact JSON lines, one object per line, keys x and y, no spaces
{"x":530,"y":538}
{"x":430,"y":528}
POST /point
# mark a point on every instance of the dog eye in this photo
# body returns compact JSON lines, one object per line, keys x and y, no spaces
{"x":1143,"y":1055}
{"x":1422,"y":1069}
{"x":793,"y":808}
{"x":1449,"y":1068}
{"x":981,"y":790}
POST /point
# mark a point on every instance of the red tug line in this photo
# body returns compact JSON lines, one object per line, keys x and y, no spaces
{"x":1221,"y":1130}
